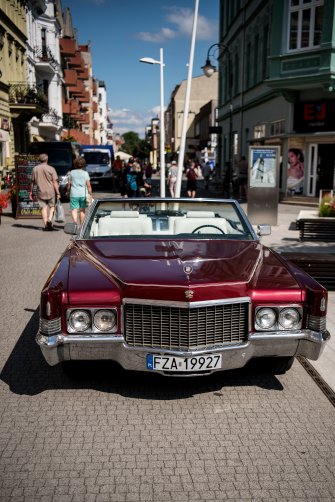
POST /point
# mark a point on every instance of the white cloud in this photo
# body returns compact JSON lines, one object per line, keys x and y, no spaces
{"x":161,"y":36}
{"x":125,"y":120}
{"x":182,"y":20}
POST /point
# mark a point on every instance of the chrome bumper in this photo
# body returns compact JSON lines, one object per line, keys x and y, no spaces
{"x":58,"y":348}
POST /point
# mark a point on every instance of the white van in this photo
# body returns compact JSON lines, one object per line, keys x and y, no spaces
{"x":98,"y":164}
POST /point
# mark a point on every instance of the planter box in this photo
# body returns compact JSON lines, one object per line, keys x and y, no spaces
{"x":311,"y":226}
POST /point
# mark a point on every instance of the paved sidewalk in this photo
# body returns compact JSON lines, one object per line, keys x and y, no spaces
{"x":284,"y":237}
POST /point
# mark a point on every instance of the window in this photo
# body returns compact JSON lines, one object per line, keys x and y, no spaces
{"x":256,"y":64}
{"x":259,"y":131}
{"x":43,"y":39}
{"x":277,"y":127}
{"x":265,"y":52}
{"x":305,"y":24}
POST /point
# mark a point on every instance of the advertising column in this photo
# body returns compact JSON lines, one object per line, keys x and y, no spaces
{"x":263,"y":190}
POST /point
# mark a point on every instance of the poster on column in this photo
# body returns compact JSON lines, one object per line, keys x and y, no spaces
{"x":263,"y":165}
{"x":26,"y":207}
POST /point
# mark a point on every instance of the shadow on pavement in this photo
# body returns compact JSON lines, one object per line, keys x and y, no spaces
{"x":27,"y":373}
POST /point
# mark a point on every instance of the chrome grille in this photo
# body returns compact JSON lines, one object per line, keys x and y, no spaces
{"x":316,"y":323}
{"x":178,"y":328}
{"x":50,"y":328}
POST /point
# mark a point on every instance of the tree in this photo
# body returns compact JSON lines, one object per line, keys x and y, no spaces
{"x":131,"y":142}
{"x":143,"y":150}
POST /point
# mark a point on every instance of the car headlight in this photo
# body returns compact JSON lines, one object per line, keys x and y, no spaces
{"x":104,"y":320}
{"x":265,"y":318}
{"x":289,"y":318}
{"x":80,"y":320}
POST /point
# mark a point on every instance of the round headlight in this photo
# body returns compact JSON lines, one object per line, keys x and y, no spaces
{"x":104,"y":320}
{"x":265,"y":318}
{"x":289,"y":318}
{"x":80,"y":320}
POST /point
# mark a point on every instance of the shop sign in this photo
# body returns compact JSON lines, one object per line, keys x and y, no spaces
{"x":314,"y":116}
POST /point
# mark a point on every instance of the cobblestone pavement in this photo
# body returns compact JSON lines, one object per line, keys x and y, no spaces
{"x":118,"y":436}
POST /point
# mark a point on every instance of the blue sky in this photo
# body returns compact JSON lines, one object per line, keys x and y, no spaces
{"x":123,"y":31}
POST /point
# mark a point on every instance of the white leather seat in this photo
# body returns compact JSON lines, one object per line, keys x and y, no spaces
{"x":124,"y":223}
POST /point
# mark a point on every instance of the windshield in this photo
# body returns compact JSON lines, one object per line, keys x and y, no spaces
{"x":96,"y":157}
{"x":179,"y":218}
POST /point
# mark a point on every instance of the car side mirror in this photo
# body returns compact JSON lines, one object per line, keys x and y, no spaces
{"x":263,"y":230}
{"x":71,"y":228}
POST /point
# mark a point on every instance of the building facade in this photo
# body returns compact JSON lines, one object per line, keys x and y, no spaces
{"x":44,"y":27}
{"x":47,"y":88}
{"x":276,"y":86}
{"x":203,"y":91}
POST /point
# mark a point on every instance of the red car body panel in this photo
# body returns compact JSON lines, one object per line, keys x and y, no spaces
{"x":155,"y":269}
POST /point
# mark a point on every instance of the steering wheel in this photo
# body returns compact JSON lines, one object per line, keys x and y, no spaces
{"x":208,"y":226}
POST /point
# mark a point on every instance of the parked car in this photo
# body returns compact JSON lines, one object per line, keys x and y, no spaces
{"x":61,"y":156}
{"x":178,"y":287}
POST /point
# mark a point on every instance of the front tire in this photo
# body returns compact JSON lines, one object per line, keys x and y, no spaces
{"x":273,"y":365}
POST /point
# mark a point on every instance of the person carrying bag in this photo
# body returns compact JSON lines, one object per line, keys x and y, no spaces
{"x":59,"y":212}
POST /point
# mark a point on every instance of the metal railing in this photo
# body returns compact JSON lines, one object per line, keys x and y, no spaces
{"x":44,"y":55}
{"x":51,"y":118}
{"x":23,"y":93}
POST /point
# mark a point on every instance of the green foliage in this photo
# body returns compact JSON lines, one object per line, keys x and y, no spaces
{"x":131,"y":142}
{"x":327,"y":207}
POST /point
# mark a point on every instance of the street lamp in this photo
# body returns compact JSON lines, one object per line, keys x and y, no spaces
{"x":208,"y":70}
{"x":162,"y":126}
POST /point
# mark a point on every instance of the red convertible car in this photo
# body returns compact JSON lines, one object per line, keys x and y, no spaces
{"x":178,"y":287}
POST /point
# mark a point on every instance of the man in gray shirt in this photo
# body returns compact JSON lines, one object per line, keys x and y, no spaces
{"x":45,"y":178}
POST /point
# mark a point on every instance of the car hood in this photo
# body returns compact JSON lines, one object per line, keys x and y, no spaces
{"x":166,"y":268}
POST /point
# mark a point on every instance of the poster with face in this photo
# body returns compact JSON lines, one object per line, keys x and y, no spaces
{"x":295,"y":171}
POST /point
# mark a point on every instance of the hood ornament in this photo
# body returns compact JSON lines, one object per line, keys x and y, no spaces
{"x":188,"y":271}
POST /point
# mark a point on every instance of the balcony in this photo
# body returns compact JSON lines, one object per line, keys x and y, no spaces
{"x":50,"y":121}
{"x":27,"y":99}
{"x":76,"y":61}
{"x":68,"y":46}
{"x":45,"y":60}
{"x":70,"y":78}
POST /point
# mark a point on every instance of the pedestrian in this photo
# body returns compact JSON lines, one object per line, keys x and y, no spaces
{"x":44,"y":177}
{"x":206,"y":172}
{"x":242,"y":174}
{"x":78,"y":187}
{"x":116,"y":171}
{"x":148,"y":173}
{"x":131,"y":178}
{"x":191,"y":176}
{"x":172,"y":178}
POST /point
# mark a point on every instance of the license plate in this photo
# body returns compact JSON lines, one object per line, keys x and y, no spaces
{"x":173,"y":363}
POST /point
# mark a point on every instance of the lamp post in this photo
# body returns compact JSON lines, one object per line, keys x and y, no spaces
{"x":162,"y":126}
{"x":208,"y":70}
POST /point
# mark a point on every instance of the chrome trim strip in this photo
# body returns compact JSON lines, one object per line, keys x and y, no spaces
{"x":186,"y":305}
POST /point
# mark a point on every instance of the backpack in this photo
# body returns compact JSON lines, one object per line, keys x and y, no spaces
{"x":131,"y":182}
{"x":191,"y":175}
